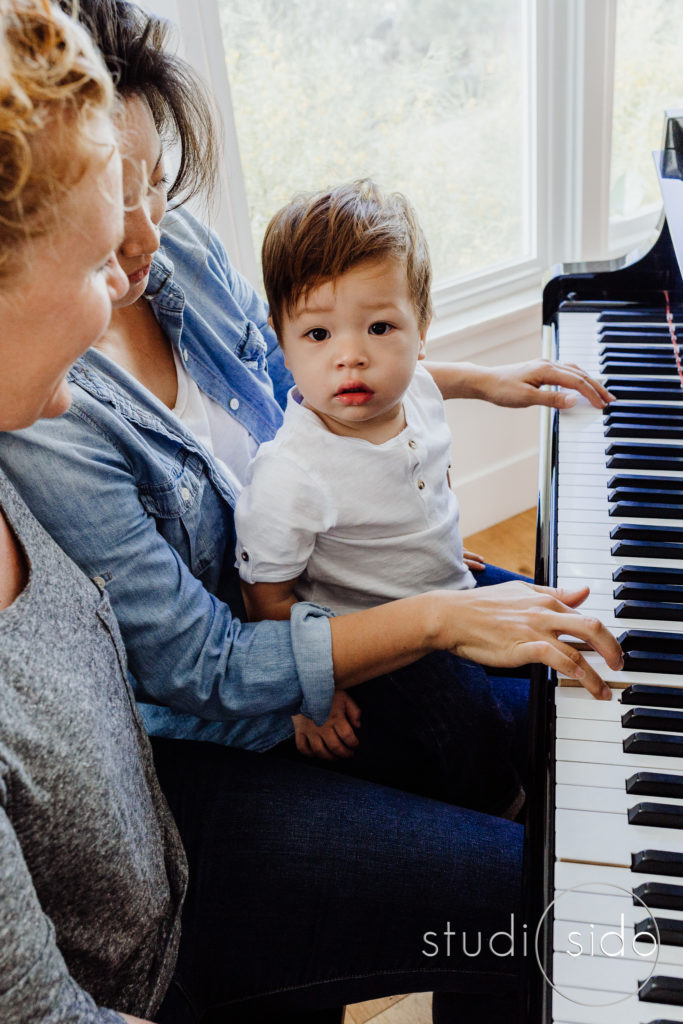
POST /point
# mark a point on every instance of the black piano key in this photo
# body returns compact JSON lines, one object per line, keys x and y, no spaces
{"x":647,"y":461}
{"x":655,"y":784}
{"x":654,"y":534}
{"x":665,"y":431}
{"x":656,"y":610}
{"x":636,"y":448}
{"x":651,"y":695}
{"x":659,"y":745}
{"x":653,"y":349}
{"x":657,"y":862}
{"x":649,"y":392}
{"x":661,"y":989}
{"x":613,"y":413}
{"x":647,"y":496}
{"x":672,"y":412}
{"x":650,"y":661}
{"x":617,"y":368}
{"x":646,"y":549}
{"x":649,"y":640}
{"x":668,"y":930}
{"x":665,"y":388}
{"x":659,"y":896}
{"x":634,"y":316}
{"x":644,"y":483}
{"x":648,"y":592}
{"x":645,"y":510}
{"x":660,"y":719}
{"x":651,"y":356}
{"x":647,"y":574}
{"x":656,"y":815}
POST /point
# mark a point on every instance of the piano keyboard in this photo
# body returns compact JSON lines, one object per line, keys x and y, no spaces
{"x":619,"y":764}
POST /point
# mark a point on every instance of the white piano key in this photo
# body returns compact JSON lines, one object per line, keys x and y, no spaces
{"x":572,"y":936}
{"x":597,"y":973}
{"x":604,"y":905}
{"x":589,"y":774}
{"x":608,"y":838}
{"x":568,"y":1010}
{"x":568,"y":875}
{"x":589,"y":752}
{"x":606,"y":801}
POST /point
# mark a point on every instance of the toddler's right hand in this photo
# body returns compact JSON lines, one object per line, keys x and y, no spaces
{"x":334,"y":739}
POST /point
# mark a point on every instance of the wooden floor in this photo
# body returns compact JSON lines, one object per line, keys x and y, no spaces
{"x":511,"y":545}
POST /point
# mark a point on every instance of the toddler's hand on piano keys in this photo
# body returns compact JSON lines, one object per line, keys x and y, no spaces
{"x":519,"y":385}
{"x":517,"y":623}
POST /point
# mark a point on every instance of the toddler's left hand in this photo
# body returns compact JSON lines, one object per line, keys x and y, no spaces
{"x":334,"y":739}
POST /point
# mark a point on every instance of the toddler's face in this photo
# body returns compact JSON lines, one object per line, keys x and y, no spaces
{"x":352,"y":346}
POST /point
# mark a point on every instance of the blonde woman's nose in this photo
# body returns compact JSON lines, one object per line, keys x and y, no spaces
{"x":117,"y":282}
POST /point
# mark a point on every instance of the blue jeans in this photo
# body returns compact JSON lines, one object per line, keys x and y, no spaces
{"x":436,"y":728}
{"x":310,"y":889}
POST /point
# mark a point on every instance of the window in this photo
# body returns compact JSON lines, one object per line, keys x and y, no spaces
{"x":493,"y":116}
{"x":425,"y":96}
{"x":648,"y":78}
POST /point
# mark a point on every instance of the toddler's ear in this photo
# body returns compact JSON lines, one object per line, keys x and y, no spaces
{"x":422,"y":350}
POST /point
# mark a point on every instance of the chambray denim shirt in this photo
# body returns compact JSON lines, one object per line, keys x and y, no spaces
{"x":143,"y":508}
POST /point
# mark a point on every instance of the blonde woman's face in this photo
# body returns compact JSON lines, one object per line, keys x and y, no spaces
{"x":60,"y":302}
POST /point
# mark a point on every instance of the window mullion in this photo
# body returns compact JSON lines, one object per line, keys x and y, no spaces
{"x":577,"y":66}
{"x":599,"y":34}
{"x":201,"y":44}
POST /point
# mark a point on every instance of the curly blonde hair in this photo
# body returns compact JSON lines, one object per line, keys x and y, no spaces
{"x":52,"y":82}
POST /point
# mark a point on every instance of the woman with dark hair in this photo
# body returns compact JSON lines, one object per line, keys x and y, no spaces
{"x":307,"y":888}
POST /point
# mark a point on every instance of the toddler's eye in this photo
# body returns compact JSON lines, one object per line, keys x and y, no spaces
{"x":318,"y":334}
{"x":381,"y":327}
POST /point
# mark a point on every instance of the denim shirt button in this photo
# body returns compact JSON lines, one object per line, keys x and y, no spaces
{"x":184,"y":493}
{"x":186,"y":355}
{"x":234,"y":403}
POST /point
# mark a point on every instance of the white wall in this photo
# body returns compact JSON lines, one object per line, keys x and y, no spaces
{"x":495,"y":450}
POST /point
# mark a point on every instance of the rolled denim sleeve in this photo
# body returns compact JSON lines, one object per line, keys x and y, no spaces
{"x":185,"y":648}
{"x":312,"y":646}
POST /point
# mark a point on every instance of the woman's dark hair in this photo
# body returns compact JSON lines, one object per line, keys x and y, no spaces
{"x":135,"y":48}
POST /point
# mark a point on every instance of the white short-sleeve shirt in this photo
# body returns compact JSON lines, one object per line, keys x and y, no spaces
{"x":359,"y":523}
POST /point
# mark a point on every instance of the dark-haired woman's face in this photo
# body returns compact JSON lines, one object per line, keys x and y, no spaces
{"x":144,"y":195}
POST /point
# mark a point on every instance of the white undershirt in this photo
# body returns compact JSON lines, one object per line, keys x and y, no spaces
{"x":229,"y":442}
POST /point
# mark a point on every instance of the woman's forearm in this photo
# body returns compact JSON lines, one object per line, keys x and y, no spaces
{"x":382,"y":639}
{"x":507,"y":625}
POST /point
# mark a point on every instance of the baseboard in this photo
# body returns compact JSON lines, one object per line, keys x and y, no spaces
{"x":497,"y":492}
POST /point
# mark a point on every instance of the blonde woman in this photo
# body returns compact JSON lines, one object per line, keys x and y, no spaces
{"x":91,"y":868}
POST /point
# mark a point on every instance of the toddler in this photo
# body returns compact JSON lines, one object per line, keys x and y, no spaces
{"x":349,"y":505}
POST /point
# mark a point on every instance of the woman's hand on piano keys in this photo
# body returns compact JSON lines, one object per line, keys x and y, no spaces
{"x":518,"y":385}
{"x":517,"y":623}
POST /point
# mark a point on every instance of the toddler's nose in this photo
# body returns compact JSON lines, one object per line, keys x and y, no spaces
{"x":351,"y":353}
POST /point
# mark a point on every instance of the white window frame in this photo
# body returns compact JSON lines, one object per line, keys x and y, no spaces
{"x":568,"y":133}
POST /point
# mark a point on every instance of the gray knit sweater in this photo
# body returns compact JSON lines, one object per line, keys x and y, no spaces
{"x":91,"y":867}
